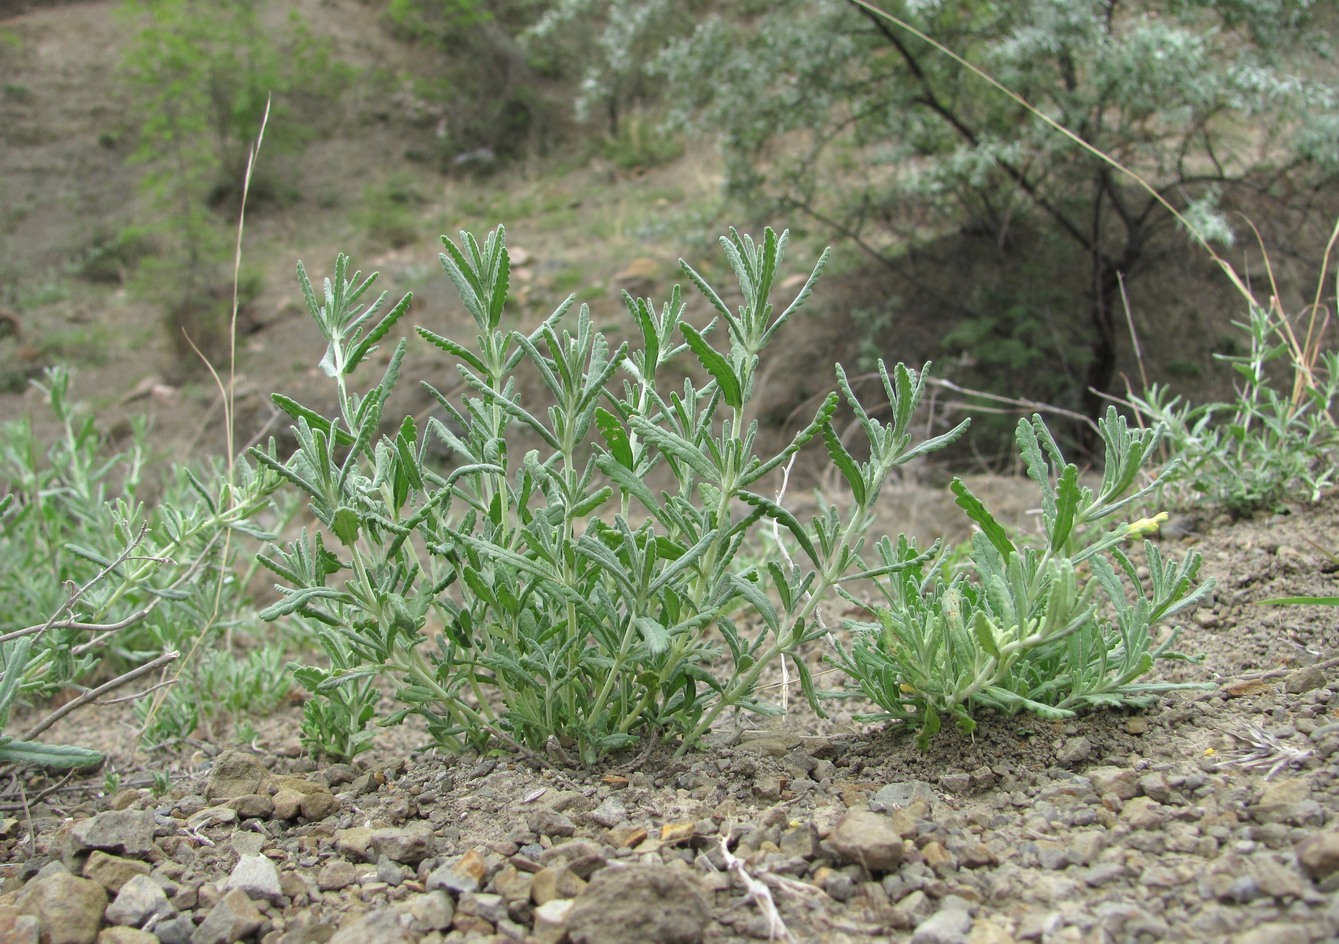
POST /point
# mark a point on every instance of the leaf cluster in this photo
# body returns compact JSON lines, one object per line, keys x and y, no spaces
{"x":1270,"y":446}
{"x":552,"y":598}
{"x":1049,"y":628}
{"x":92,"y":579}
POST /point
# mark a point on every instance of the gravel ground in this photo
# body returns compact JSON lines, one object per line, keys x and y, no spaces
{"x":1212,"y":816}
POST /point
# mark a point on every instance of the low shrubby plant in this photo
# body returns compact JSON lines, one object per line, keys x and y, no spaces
{"x":98,"y":587}
{"x":551,"y":598}
{"x":1270,"y":446}
{"x":544,"y":594}
{"x":1050,"y":626}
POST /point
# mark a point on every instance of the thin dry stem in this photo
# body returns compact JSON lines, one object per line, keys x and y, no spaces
{"x":94,"y":694}
{"x":756,"y":893}
{"x":1134,"y":335}
{"x":227,"y":394}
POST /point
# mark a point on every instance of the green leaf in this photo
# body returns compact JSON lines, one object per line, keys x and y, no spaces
{"x":716,"y":365}
{"x":653,"y":634}
{"x":785,"y":518}
{"x":299,"y":412}
{"x":675,"y":447}
{"x":405,"y":442}
{"x":614,"y":436}
{"x":1299,"y":601}
{"x":346,"y":525}
{"x":368,"y":344}
{"x":451,"y":347}
{"x":15,"y":662}
{"x":1067,"y":496}
{"x":983,"y":518}
{"x":298,"y":600}
{"x":644,"y":315}
{"x":707,"y":291}
{"x":757,"y":598}
{"x":929,"y":728}
{"x":985,"y":634}
{"x":845,"y":464}
{"x":58,"y":756}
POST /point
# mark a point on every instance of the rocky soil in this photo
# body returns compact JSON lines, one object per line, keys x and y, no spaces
{"x":1213,"y":816}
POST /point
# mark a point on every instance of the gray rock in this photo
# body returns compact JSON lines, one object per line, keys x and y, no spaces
{"x":253,"y":806}
{"x":256,"y":877}
{"x":390,"y":872}
{"x":1274,"y":932}
{"x":911,"y":910}
{"x":893,"y":795}
{"x":336,"y":874}
{"x":867,"y":839}
{"x":25,"y":929}
{"x":1075,"y":751}
{"x":212,"y":816}
{"x":1155,"y":785}
{"x":1126,"y":922}
{"x":551,"y":921}
{"x":1144,"y":813}
{"x":1121,"y":782}
{"x":839,"y":886}
{"x":1318,"y":855}
{"x":233,"y":918}
{"x":297,"y":796}
{"x":492,"y":908}
{"x":638,"y":905}
{"x":1243,"y":890}
{"x":1277,"y":879}
{"x":112,"y":872}
{"x":1039,"y":925}
{"x":609,"y":813}
{"x":1102,"y":873}
{"x":410,"y":845}
{"x":123,"y":935}
{"x":383,"y":926}
{"x":140,"y":899}
{"x":127,"y":832}
{"x":356,"y":842}
{"x":546,"y":822}
{"x":955,"y":781}
{"x":429,"y":912}
{"x":555,"y":881}
{"x":234,"y":775}
{"x":458,"y":875}
{"x":244,"y":842}
{"x":1306,"y":679}
{"x":948,"y":925}
{"x":69,"y":908}
{"x":176,"y":930}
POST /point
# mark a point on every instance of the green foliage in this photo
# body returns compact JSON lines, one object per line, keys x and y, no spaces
{"x":489,"y":103}
{"x":390,"y":211}
{"x":614,"y":40}
{"x":94,"y":581}
{"x":542,"y":593}
{"x":828,"y":108}
{"x":219,"y":684}
{"x":1048,"y":629}
{"x":201,"y":76}
{"x":14,"y":667}
{"x":1270,"y":446}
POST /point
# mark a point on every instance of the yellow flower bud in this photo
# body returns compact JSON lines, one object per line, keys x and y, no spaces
{"x":1145,"y":526}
